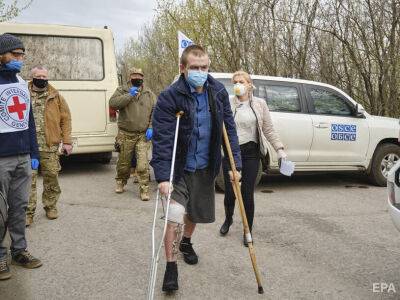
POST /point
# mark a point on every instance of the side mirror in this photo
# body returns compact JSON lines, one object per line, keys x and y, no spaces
{"x":359,"y":111}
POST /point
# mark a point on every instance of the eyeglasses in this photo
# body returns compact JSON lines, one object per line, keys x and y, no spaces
{"x":15,"y":53}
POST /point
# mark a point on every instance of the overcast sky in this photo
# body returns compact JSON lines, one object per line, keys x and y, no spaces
{"x":124,"y":17}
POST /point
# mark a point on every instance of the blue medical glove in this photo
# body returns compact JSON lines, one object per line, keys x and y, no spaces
{"x":149,"y":133}
{"x":134,"y":91}
{"x":34,"y":164}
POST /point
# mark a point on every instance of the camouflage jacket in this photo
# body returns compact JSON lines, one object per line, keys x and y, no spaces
{"x":134,"y":112}
{"x":57,"y":117}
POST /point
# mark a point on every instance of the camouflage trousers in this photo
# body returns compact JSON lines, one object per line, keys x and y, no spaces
{"x":130,"y":143}
{"x":49,"y":168}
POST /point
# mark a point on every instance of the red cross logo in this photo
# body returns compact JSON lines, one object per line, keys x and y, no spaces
{"x":18,"y":108}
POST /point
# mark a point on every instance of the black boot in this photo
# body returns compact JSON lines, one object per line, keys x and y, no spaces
{"x":170,"y":282}
{"x":189,"y":256}
{"x":225,"y":227}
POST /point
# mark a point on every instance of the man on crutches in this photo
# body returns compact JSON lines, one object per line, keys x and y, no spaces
{"x":205,"y":105}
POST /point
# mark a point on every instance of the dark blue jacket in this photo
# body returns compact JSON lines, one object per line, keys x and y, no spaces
{"x":175,"y":98}
{"x":19,"y":142}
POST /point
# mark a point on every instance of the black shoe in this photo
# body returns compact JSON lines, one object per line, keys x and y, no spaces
{"x":4,"y":269}
{"x":170,"y":282}
{"x":26,"y":260}
{"x":189,"y":256}
{"x":225,"y":227}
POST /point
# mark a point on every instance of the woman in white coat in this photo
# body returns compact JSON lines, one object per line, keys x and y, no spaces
{"x":254,"y":128}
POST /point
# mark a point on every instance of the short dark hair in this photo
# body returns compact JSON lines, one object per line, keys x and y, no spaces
{"x":195,"y":50}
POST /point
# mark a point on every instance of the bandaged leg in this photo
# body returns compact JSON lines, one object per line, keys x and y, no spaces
{"x":176,"y":212}
{"x":174,"y":231}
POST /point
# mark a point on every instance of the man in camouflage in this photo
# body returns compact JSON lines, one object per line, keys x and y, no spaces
{"x":135,"y":103}
{"x":53,"y":129}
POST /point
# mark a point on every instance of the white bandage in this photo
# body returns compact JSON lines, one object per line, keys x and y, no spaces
{"x":176,"y":212}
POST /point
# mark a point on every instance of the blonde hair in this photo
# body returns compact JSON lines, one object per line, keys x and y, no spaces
{"x":244,"y":74}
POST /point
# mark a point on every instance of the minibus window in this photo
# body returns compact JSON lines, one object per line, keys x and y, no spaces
{"x":66,"y":58}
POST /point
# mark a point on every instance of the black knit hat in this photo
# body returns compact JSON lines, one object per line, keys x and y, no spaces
{"x":9,"y":42}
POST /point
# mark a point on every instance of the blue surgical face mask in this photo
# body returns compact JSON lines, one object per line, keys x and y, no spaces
{"x":14,"y":65}
{"x":197,"y":78}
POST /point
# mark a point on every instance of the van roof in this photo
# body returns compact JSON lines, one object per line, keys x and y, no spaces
{"x":51,"y":29}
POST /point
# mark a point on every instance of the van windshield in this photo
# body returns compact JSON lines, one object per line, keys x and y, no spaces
{"x":66,"y":58}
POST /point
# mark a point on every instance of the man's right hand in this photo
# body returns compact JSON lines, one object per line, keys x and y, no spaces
{"x":133,"y":91}
{"x":163,"y":188}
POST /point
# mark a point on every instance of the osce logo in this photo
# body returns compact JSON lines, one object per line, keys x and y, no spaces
{"x":344,"y":132}
{"x":14,"y":108}
{"x":186,"y":43}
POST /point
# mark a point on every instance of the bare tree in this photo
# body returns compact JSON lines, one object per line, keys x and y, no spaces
{"x":10,"y":11}
{"x":352,"y":44}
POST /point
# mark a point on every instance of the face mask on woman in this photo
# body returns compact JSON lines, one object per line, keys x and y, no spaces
{"x":239,"y":89}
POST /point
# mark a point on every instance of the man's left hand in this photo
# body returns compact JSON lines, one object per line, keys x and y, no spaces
{"x":34,"y":164}
{"x":149,"y":133}
{"x":67,"y":149}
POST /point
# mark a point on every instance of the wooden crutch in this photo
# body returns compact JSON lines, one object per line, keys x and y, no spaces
{"x":238,"y":196}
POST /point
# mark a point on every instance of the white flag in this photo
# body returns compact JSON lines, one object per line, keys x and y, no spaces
{"x":184,"y":42}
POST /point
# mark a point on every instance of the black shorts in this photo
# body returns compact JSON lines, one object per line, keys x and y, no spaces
{"x":196,"y":192}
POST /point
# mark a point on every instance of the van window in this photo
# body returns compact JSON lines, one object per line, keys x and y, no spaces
{"x":328,"y":103}
{"x":279,"y":97}
{"x":227,"y":82}
{"x":66,"y":58}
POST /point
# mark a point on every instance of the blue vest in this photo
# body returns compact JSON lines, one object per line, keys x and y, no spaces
{"x":199,"y":145}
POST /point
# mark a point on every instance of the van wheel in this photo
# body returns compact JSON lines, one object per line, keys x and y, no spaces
{"x":220,"y":182}
{"x":384,"y":159}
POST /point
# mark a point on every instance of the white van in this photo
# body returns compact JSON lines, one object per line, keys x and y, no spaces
{"x":82,"y":66}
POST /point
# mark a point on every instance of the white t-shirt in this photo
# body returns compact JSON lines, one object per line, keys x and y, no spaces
{"x":246,"y":123}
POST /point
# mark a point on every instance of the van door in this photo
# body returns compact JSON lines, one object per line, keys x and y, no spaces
{"x":339,"y":136}
{"x":289,"y":116}
{"x":88,"y":110}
